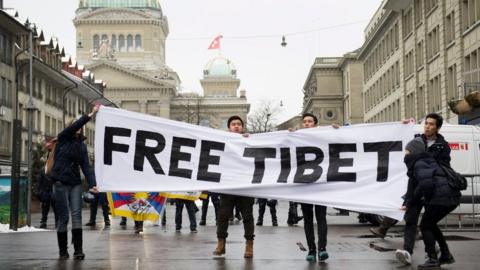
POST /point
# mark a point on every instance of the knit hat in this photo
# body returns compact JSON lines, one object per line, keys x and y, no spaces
{"x":416,"y":146}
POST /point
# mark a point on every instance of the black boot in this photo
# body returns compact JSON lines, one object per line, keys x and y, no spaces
{"x":260,"y":221}
{"x":62,"y":239}
{"x":445,"y":256}
{"x":77,"y":239}
{"x":430,"y":263}
{"x":273,"y":212}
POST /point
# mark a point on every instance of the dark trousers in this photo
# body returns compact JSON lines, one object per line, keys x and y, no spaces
{"x":46,"y":208}
{"x":262,"y":204}
{"x":411,"y":223}
{"x":245,"y":205}
{"x":321,"y":215}
{"x":292,"y":213}
{"x":190,"y":205}
{"x":430,"y":231}
{"x":215,"y":201}
{"x":100,"y":198}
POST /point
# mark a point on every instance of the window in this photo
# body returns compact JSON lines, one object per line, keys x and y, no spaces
{"x":452,"y":83}
{"x":410,"y":105}
{"x":121,"y":43}
{"x":3,"y":91}
{"x":433,"y":43}
{"x":5,"y":130}
{"x":421,"y":102}
{"x":409,"y":67}
{"x":418,"y":11}
{"x":450,"y":27}
{"x":419,"y":54}
{"x":114,"y":42}
{"x":138,"y":42}
{"x":96,"y":42}
{"x":407,"y":23}
{"x":47,"y":125}
{"x":470,"y":13}
{"x":129,"y":43}
{"x":396,"y":35}
{"x":434,"y":95}
{"x":104,"y":38}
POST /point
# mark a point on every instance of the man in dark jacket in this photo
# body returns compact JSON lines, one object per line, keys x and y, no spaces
{"x":46,"y":198}
{"x":441,"y":153}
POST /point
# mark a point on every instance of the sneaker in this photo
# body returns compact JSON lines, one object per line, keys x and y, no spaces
{"x":123,"y":223}
{"x":177,"y":229}
{"x":403,"y":256}
{"x":194,"y":231}
{"x":322,"y":256}
{"x":311,"y":257}
{"x":446,"y":259}
{"x":90,"y":224}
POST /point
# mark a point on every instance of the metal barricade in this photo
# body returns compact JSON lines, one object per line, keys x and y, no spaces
{"x":473,"y":178}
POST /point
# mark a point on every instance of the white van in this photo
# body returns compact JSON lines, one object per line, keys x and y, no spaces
{"x":464,"y":142}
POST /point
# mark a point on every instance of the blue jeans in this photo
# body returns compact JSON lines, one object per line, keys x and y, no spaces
{"x":68,"y":198}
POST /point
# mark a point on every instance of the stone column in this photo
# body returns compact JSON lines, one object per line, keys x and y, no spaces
{"x":143,"y":106}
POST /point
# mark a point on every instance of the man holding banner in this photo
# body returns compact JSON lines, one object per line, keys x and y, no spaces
{"x":227,"y":202}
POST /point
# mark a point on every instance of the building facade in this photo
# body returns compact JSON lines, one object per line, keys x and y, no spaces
{"x":123,"y":42}
{"x":220,"y":100}
{"x":418,"y":55}
{"x":333,"y":90}
{"x":60,"y":89}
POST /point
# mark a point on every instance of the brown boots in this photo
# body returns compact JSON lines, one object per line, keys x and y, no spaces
{"x":248,"y":249}
{"x":220,"y":250}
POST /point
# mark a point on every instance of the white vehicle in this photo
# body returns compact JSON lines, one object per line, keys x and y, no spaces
{"x":464,"y":141}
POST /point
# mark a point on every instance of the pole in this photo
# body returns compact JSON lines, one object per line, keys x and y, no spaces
{"x":30,"y":108}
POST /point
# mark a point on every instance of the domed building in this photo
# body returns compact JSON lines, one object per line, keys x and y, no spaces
{"x":221,"y":98}
{"x":123,"y":42}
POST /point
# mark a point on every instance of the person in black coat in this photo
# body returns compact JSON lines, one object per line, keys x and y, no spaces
{"x":46,"y":198}
{"x":71,"y":155}
{"x":430,"y":186}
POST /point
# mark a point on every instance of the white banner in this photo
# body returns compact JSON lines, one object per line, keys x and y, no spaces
{"x":359,"y":167}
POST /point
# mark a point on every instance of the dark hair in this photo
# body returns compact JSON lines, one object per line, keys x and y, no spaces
{"x":438,"y":119}
{"x":315,"y":120}
{"x":234,"y":117}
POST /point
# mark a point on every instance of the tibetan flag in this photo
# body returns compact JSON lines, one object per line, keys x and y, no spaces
{"x":215,"y":44}
{"x":139,"y":206}
{"x":189,"y":195}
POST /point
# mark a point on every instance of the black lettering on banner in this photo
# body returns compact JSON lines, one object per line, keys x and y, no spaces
{"x":207,"y":159}
{"x":303,"y":165}
{"x":109,"y":146}
{"x":383,"y":149}
{"x":285,"y":164}
{"x":336,"y":162}
{"x":177,"y":156}
{"x":259,"y":155}
{"x":143,"y":151}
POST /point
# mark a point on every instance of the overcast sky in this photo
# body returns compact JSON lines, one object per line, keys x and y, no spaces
{"x":252,"y":31}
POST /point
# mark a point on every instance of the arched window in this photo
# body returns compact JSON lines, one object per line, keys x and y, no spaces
{"x":96,"y":42}
{"x":121,"y":43}
{"x":129,"y":43}
{"x":104,"y":37}
{"x":114,"y":42}
{"x":138,"y":42}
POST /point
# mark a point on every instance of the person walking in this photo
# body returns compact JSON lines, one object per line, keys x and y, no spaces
{"x":191,"y":210}
{"x":71,"y":155}
{"x":262,"y":204}
{"x":100,"y":198}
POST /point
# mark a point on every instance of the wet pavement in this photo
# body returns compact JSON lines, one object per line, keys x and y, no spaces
{"x":350,"y":246}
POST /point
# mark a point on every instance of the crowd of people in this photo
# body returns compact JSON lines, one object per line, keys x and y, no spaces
{"x":428,"y":189}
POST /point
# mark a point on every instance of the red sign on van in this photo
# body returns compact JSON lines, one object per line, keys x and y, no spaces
{"x":458,"y":146}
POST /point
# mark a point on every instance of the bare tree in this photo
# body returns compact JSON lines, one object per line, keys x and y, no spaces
{"x":264,"y":118}
{"x":191,"y":108}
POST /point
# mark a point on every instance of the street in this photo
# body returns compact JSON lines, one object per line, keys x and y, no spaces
{"x":350,"y":246}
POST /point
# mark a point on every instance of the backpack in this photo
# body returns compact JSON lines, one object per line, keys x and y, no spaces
{"x":454,"y":179}
{"x":50,"y":157}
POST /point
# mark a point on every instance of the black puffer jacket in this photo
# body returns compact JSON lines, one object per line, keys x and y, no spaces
{"x":71,"y":155}
{"x":430,"y":184}
{"x":440,"y":151}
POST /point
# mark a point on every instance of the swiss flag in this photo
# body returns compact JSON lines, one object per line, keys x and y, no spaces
{"x":215,"y":43}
